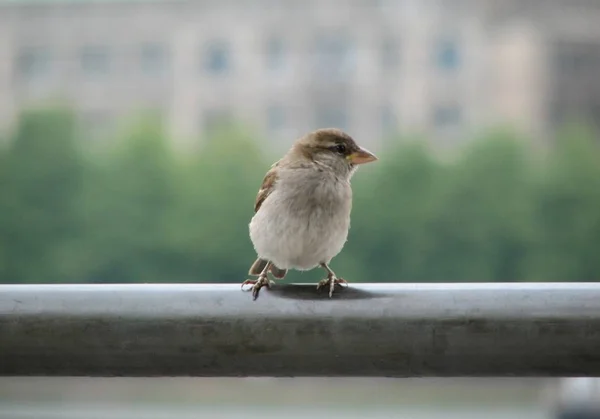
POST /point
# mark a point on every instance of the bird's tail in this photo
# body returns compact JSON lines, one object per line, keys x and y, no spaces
{"x":259,"y":264}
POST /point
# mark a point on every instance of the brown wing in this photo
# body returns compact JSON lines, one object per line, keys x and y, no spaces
{"x":267,"y":187}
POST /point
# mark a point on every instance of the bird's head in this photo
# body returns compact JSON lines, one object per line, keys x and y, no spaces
{"x":335,"y":149}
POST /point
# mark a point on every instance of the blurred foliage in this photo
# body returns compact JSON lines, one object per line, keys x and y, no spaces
{"x":40,"y":181}
{"x":141,"y":212}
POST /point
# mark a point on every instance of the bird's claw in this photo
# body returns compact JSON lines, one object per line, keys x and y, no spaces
{"x":257,"y":284}
{"x":331,"y":281}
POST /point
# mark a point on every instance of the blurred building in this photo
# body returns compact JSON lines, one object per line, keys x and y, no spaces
{"x":443,"y":68}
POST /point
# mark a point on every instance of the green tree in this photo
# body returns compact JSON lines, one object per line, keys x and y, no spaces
{"x":3,"y":198}
{"x":138,"y":212}
{"x":40,"y":182}
{"x":482,"y":228}
{"x":568,"y":210}
{"x":129,"y":194}
{"x":417,"y":219}
{"x":215,"y":202}
{"x":393,"y":204}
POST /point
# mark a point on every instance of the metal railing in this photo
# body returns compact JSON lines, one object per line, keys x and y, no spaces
{"x":394,"y":330}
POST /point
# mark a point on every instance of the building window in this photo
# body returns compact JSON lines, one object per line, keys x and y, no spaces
{"x":386,"y":5}
{"x":594,"y":113}
{"x":217,"y":60}
{"x":390,"y":54}
{"x":34,"y":63}
{"x":571,"y":62}
{"x":95,"y":61}
{"x":335,"y":58}
{"x":96,"y":125}
{"x":388,"y":119}
{"x":276,"y":119}
{"x":153,"y":59}
{"x":331,"y":117}
{"x":447,"y":116}
{"x":276,"y":56}
{"x":447,"y":55}
{"x":214,"y":120}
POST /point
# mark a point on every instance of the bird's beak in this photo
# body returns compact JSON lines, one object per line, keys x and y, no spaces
{"x":361,"y":156}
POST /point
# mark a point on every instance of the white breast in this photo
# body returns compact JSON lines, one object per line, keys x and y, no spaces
{"x":304,"y":221}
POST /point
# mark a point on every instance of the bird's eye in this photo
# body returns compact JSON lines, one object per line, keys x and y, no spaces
{"x":340,"y":148}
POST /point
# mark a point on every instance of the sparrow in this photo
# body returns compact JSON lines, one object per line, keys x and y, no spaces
{"x":302,"y":210}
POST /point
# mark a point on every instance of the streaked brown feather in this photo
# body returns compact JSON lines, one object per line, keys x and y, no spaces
{"x":265,"y":190}
{"x":267,"y":187}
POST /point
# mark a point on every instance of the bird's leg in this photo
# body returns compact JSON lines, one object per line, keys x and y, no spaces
{"x":331,"y":280}
{"x":258,"y":283}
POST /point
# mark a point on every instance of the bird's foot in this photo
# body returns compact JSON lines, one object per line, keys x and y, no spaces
{"x":331,"y":281}
{"x":257,"y":284}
